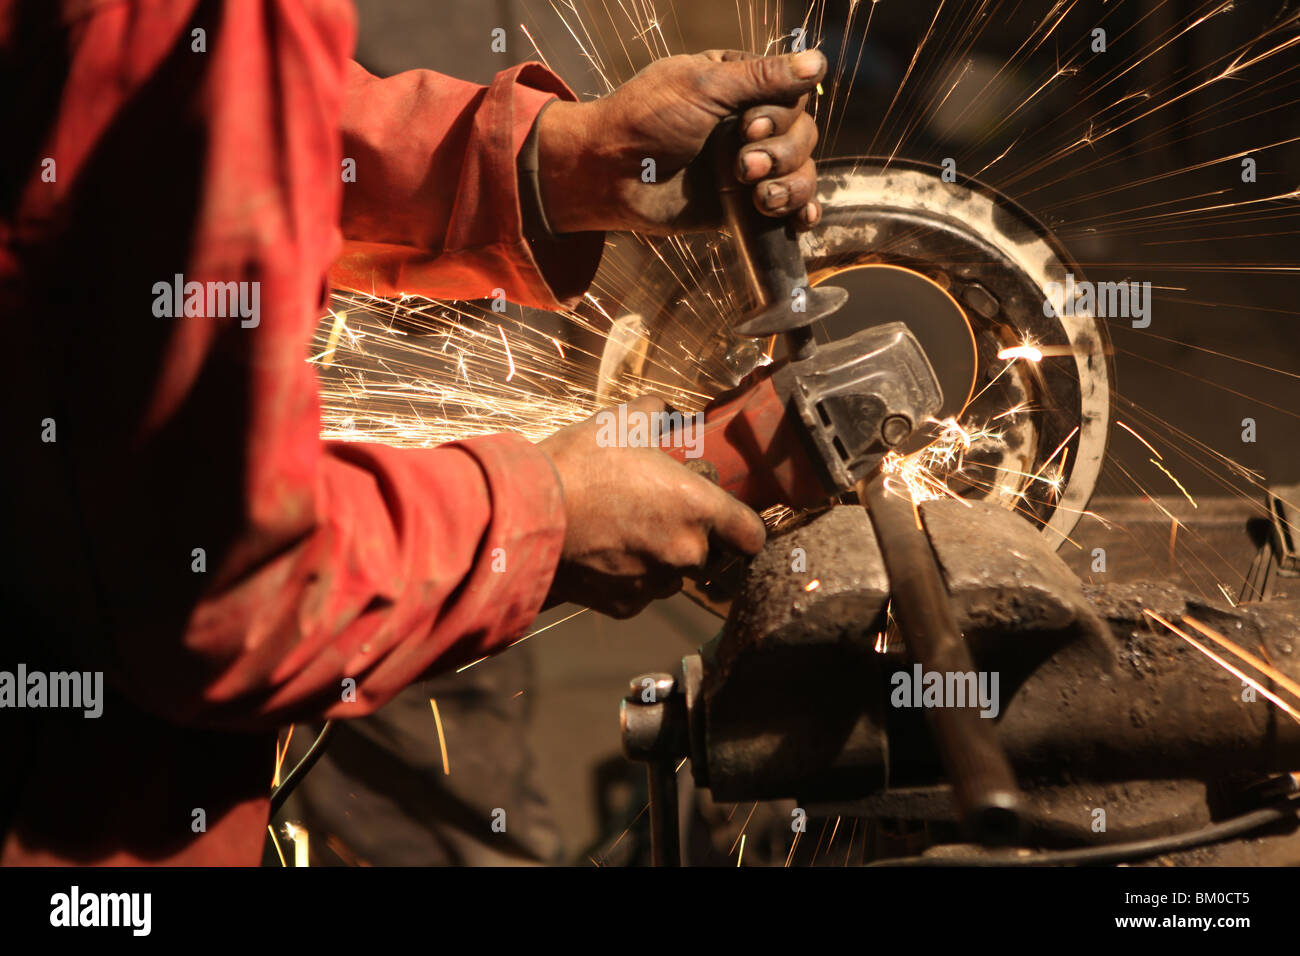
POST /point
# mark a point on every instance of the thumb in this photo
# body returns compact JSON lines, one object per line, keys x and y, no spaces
{"x":766,"y":79}
{"x":650,"y":403}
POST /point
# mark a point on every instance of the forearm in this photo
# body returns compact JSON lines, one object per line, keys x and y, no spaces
{"x":221,"y":564}
{"x":418,"y":561}
{"x":434,"y":208}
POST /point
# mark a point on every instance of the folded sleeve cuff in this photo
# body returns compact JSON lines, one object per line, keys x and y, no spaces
{"x":522,"y":544}
{"x":436,"y":209}
{"x":550,"y":271}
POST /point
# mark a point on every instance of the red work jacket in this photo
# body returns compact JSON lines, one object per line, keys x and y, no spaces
{"x":174,"y":519}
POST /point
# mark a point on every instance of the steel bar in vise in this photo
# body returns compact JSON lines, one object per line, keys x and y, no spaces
{"x":984,"y":787}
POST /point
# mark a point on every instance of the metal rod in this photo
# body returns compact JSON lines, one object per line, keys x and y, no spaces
{"x":665,"y":845}
{"x":984,"y":786}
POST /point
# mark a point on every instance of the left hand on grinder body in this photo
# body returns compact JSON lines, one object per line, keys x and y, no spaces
{"x":637,"y":521}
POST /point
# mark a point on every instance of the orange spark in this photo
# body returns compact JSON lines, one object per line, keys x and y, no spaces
{"x":280,"y":755}
{"x":442,"y":741}
{"x":275,"y":842}
{"x":1027,"y":352}
{"x":1174,"y":480}
{"x":1261,"y":665}
{"x":509,"y":358}
{"x":1236,"y":672}
{"x":1139,"y":438}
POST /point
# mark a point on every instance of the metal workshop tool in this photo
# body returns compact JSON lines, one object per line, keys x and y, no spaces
{"x":1097,"y":707}
{"x":804,"y":430}
{"x":959,"y":262}
{"x":818,"y":425}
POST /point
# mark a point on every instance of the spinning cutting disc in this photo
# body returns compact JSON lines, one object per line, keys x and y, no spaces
{"x":969,"y":271}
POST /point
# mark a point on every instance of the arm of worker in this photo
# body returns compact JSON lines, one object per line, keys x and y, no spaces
{"x":433,"y":172}
{"x":337,"y":573}
{"x":246,"y":572}
{"x":433,"y":557}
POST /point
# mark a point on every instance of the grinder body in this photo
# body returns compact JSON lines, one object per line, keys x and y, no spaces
{"x":801,"y":432}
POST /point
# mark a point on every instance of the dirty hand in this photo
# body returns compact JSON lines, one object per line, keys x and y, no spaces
{"x":637,"y":520}
{"x":595,"y":157}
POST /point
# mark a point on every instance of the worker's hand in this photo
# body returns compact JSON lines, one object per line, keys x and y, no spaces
{"x":637,"y":520}
{"x":595,"y":157}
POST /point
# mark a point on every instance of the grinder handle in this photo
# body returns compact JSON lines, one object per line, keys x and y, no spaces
{"x":769,"y":249}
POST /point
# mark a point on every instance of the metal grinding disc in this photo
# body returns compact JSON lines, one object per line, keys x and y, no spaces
{"x":973,"y":272}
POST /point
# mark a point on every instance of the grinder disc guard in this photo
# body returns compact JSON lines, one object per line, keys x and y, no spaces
{"x":1038,"y":429}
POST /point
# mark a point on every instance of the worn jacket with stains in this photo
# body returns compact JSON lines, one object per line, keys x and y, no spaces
{"x":175,"y":520}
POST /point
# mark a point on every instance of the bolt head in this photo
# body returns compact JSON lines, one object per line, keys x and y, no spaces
{"x":650,"y":688}
{"x":895,"y":428}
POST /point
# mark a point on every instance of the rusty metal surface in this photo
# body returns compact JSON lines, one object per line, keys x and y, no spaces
{"x":1164,"y":710}
{"x":1058,"y":816}
{"x":1001,"y":573}
{"x":1167,"y":708}
{"x":1016,"y":600}
{"x":1214,"y":544}
{"x":822,"y":581}
{"x":787,"y":692}
{"x":795,"y":695}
